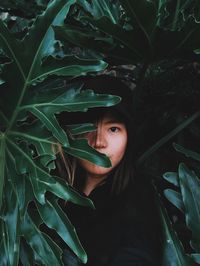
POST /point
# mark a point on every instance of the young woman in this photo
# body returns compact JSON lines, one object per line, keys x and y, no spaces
{"x":120,"y":231}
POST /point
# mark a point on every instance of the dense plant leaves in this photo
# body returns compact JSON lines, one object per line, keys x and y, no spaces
{"x":27,"y":56}
{"x":175,"y":198}
{"x":55,"y":218}
{"x":135,"y":37}
{"x":40,"y":243}
{"x":2,"y":165}
{"x":173,"y":252}
{"x":23,"y":8}
{"x":190,"y":190}
{"x":85,"y":39}
{"x":11,"y":226}
{"x":30,"y":135}
{"x":104,"y":8}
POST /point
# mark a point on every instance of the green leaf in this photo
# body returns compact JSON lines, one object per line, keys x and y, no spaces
{"x":189,"y":153}
{"x":77,"y":129}
{"x":102,"y":8}
{"x":2,"y":165}
{"x":173,"y":252}
{"x":40,"y":138}
{"x":190,"y":190}
{"x":39,"y":43}
{"x":142,"y":31}
{"x":61,"y":189}
{"x":55,"y":218}
{"x":172,"y":177}
{"x":26,"y":55}
{"x":40,"y":243}
{"x":26,"y":254}
{"x":69,"y":66}
{"x":10,"y":226}
{"x":80,"y":148}
{"x":175,"y":198}
{"x":196,"y":257}
{"x":85,"y":39}
{"x":71,"y":100}
{"x":31,"y":100}
{"x":36,"y":173}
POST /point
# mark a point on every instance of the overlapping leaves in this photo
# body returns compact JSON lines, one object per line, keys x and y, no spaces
{"x":173,"y":251}
{"x":143,"y":31}
{"x":187,"y":198}
{"x":30,"y":135}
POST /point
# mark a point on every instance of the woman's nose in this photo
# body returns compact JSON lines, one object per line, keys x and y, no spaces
{"x":98,"y":140}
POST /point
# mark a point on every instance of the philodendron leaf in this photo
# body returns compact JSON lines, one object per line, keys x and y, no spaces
{"x":39,"y":43}
{"x":187,"y":152}
{"x":172,"y":177}
{"x":55,"y":218}
{"x":61,"y":189}
{"x":196,"y":257}
{"x":2,"y":165}
{"x":173,"y":252}
{"x":175,"y":198}
{"x":41,"y":138}
{"x":30,"y":132}
{"x":71,"y":100}
{"x":80,"y":148}
{"x":68,"y":66}
{"x":102,"y":8}
{"x":190,"y":190}
{"x":10,"y":225}
{"x":26,"y":254}
{"x":143,"y":15}
{"x":85,"y":39}
{"x":40,"y":243}
{"x":77,"y":129}
{"x":26,"y":55}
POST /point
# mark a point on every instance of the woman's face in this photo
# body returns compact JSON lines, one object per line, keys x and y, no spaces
{"x":110,"y":138}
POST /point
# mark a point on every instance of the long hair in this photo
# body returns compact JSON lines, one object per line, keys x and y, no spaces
{"x":122,"y":174}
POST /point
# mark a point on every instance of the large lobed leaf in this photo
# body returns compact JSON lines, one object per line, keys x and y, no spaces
{"x":173,"y":252}
{"x":143,"y":31}
{"x":30,"y":135}
{"x":187,"y":200}
{"x":190,"y":190}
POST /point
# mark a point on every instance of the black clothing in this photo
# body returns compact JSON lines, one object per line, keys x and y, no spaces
{"x":120,"y":232}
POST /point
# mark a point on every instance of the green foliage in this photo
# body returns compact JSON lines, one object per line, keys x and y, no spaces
{"x":157,"y":37}
{"x":160,"y":39}
{"x":141,"y":31}
{"x":187,"y":198}
{"x":32,"y":95}
{"x":173,"y":252}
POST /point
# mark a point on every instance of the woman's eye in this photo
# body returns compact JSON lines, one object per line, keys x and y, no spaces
{"x":114,"y":129}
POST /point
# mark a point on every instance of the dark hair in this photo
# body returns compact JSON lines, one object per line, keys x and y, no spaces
{"x":122,"y":175}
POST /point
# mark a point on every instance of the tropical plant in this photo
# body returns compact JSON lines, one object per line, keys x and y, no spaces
{"x":159,"y":42}
{"x":32,"y":94}
{"x":186,"y":199}
{"x":158,"y":38}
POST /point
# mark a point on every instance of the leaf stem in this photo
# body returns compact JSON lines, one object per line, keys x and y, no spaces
{"x":176,"y":15}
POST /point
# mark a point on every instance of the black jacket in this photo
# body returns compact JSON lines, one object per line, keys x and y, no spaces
{"x":122,"y":231}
